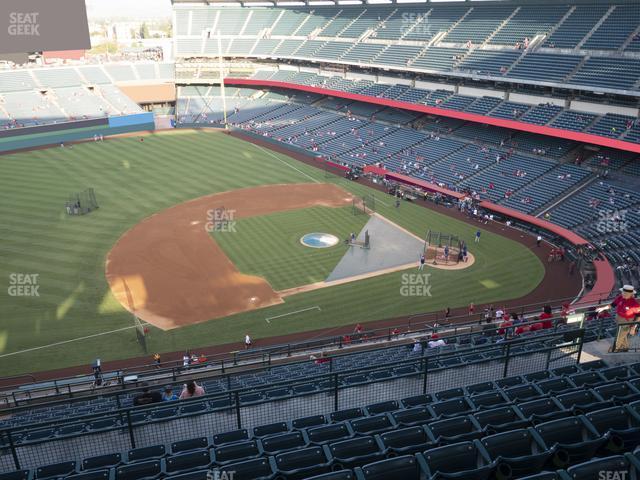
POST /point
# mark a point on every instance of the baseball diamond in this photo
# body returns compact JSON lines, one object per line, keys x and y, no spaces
{"x":317,"y":240}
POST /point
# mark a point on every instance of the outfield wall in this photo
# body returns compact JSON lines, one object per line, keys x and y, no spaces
{"x":54,"y":134}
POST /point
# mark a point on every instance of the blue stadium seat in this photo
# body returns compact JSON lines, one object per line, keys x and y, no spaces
{"x":587,"y":379}
{"x":146,"y":453}
{"x":620,"y":372}
{"x":236,"y":451}
{"x":500,"y":419}
{"x":416,"y":401}
{"x":56,"y":470}
{"x":258,"y":468}
{"x":16,"y":475}
{"x":574,"y":440}
{"x":522,"y":393}
{"x":406,"y":467}
{"x":412,"y":416}
{"x":382,"y":407}
{"x":190,"y":444}
{"x":230,"y":437}
{"x":328,"y":433}
{"x":184,"y":462}
{"x":583,"y":401}
{"x":202,"y":474}
{"x":306,"y":422}
{"x":273,"y":444}
{"x":356,"y":451}
{"x":348,"y":414}
{"x":464,"y":461}
{"x":542,"y":410}
{"x":451,"y":408}
{"x":523,"y":452}
{"x":508,"y":382}
{"x":302,"y":463}
{"x":621,"y":426}
{"x":104,"y":474}
{"x":407,"y":440}
{"x":140,"y":470}
{"x":454,"y":430}
{"x":102,"y":461}
{"x":374,"y":424}
{"x":270,"y":429}
{"x":337,"y":475}
{"x":592,"y":469}
{"x":620,"y":392}
{"x":449,"y":394}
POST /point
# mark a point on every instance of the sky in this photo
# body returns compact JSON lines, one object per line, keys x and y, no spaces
{"x":130,"y":9}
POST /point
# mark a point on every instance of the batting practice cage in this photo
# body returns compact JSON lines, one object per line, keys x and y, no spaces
{"x":364,"y":205}
{"x":81,"y":203}
{"x":442,"y":248}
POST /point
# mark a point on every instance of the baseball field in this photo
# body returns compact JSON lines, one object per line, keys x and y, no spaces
{"x":69,"y":289}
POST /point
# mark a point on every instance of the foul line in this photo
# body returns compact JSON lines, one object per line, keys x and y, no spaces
{"x":268,"y":319}
{"x":65,"y":341}
{"x":269,"y":152}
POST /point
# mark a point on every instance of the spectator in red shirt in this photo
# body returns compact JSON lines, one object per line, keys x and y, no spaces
{"x":522,"y":329}
{"x":323,"y":359}
{"x":536,"y":326}
{"x":546,"y":317}
{"x":504,"y":327}
{"x":627,"y":309}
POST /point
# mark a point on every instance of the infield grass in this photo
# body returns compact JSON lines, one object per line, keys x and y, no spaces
{"x":134,"y":180}
{"x":269,"y":246}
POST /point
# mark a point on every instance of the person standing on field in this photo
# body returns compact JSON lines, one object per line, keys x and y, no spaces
{"x":247,"y":342}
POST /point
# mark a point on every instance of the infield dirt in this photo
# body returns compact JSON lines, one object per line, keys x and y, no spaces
{"x":170,"y":272}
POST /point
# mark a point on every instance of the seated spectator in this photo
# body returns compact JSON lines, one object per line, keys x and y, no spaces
{"x":147,"y":397}
{"x":191,"y":389}
{"x":169,"y":395}
{"x":323,"y":359}
{"x":522,"y":329}
{"x":504,"y":327}
{"x":534,"y":327}
{"x":546,"y":317}
{"x":436,"y":341}
{"x":417,"y":347}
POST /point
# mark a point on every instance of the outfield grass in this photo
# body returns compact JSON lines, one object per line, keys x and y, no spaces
{"x":269,"y":246}
{"x":135,"y":179}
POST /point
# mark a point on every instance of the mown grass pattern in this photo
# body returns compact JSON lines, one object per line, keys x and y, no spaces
{"x":269,"y":246}
{"x":134,"y":180}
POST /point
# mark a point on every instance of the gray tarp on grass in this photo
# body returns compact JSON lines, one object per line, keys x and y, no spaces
{"x":390,"y":247}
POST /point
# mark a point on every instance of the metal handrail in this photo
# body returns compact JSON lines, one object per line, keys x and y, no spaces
{"x":175,"y":369}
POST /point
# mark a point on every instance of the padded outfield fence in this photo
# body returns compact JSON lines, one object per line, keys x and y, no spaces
{"x":268,"y":407}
